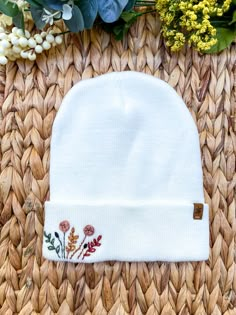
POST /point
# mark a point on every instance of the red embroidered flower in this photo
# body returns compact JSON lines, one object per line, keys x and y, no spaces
{"x":64,"y":226}
{"x":89,"y":230}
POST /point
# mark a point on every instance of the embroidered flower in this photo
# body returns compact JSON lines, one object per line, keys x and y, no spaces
{"x":64,"y":226}
{"x":67,"y":248}
{"x":89,"y":230}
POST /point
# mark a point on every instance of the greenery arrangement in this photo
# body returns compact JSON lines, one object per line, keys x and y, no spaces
{"x":207,"y":25}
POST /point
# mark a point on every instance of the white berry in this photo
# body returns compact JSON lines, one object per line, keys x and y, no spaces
{"x":38,"y":49}
{"x":14,"y":30}
{"x":58,"y":39}
{"x":3,"y":60}
{"x":16,"y":49}
{"x":14,"y":40}
{"x":3,"y":36}
{"x":24,"y":54}
{"x":46,"y":45}
{"x":32,"y":56}
{"x":2,"y":50}
{"x":27,"y":34}
{"x":38,"y":39}
{"x":20,"y":32}
{"x":50,"y":38}
{"x":23,"y":42}
{"x":44,"y":34}
{"x":32,"y":43}
{"x":5,"y":43}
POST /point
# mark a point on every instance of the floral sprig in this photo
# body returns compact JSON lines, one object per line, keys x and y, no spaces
{"x":72,"y":240}
{"x":199,"y":23}
{"x":209,"y":26}
{"x":67,"y":249}
{"x":91,"y":246}
{"x":49,"y":239}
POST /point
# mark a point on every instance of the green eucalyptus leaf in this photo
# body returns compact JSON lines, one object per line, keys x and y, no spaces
{"x":130,"y":5}
{"x":76,"y":23}
{"x":37,"y":13}
{"x":110,"y":10}
{"x":9,"y":8}
{"x":36,"y":3}
{"x":89,"y":10}
{"x":51,"y":247}
{"x":121,"y":27}
{"x":130,"y":17}
{"x":225,"y":37}
{"x":233,"y":18}
{"x":19,"y":21}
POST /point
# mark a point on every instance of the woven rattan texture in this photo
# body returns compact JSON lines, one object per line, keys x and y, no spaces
{"x":31,"y":96}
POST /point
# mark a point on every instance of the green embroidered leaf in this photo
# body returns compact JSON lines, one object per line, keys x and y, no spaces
{"x":49,"y":236}
{"x":52,"y":241}
{"x":58,"y":249}
{"x":51,"y":247}
{"x":47,"y":241}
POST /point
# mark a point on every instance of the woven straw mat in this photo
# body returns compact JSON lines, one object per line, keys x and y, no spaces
{"x":31,"y":94}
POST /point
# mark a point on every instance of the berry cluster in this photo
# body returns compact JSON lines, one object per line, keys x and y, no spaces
{"x":19,"y":44}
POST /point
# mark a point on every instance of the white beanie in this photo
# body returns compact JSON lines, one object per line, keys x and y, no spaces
{"x":125,"y":175}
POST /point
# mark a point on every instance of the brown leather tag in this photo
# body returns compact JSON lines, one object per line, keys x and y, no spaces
{"x":198,"y":211}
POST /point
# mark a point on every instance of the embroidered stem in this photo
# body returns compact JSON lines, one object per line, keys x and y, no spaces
{"x":78,"y":247}
{"x":64,"y":245}
{"x":80,"y":253}
{"x":61,"y":246}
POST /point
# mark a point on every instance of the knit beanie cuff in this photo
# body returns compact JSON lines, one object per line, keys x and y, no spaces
{"x":126,"y":231}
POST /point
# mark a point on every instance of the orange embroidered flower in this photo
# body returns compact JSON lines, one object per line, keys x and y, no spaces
{"x":89,"y":230}
{"x":64,"y":226}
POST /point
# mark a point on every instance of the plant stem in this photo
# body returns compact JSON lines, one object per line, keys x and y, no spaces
{"x":64,"y":243}
{"x":78,"y":247}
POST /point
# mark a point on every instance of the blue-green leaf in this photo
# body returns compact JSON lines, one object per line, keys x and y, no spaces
{"x":110,"y":10}
{"x":37,"y":13}
{"x":36,"y":3}
{"x":76,"y":23}
{"x":9,"y":8}
{"x":19,"y":21}
{"x":89,"y":10}
{"x":53,"y":4}
{"x":130,"y":5}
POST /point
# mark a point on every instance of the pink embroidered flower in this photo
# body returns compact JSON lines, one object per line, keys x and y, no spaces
{"x":64,"y":226}
{"x":89,"y":230}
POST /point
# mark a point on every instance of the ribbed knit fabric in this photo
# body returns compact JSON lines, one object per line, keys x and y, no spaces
{"x":125,"y":172}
